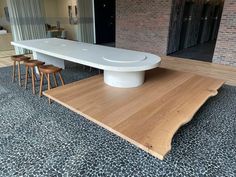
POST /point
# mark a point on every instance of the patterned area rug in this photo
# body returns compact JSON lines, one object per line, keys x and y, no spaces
{"x":41,"y":140}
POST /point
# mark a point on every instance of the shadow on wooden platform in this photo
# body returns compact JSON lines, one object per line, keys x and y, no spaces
{"x":147,"y":116}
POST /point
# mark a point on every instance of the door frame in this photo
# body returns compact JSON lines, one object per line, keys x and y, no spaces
{"x":94,"y":23}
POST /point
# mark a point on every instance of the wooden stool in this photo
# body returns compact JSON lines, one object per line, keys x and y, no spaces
{"x":32,"y":64}
{"x":46,"y":70}
{"x":18,"y":59}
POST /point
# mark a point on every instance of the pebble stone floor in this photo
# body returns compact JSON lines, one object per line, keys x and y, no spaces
{"x":49,"y":141}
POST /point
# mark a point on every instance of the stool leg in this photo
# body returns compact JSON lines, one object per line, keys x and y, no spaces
{"x":13,"y":72}
{"x":33,"y":79}
{"x":26,"y":76}
{"x":38,"y":71}
{"x":46,"y":77}
{"x":49,"y":87}
{"x":19,"y":74}
{"x":55,"y":80}
{"x":62,"y":81}
{"x":35,"y":76}
{"x":41,"y":85}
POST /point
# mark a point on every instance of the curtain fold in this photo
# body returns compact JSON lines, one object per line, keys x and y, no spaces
{"x":27,"y":20}
{"x":85,"y":8}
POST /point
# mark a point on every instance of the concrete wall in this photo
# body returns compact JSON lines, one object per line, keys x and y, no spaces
{"x":143,"y":25}
{"x":225,"y":51}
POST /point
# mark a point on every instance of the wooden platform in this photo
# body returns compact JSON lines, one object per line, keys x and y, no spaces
{"x":217,"y":71}
{"x":147,"y":116}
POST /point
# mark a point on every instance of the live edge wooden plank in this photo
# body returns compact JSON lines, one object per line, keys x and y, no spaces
{"x":147,"y":116}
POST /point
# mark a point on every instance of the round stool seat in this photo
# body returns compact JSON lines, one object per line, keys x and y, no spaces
{"x":20,"y":58}
{"x":48,"y":69}
{"x":16,"y":56}
{"x":33,"y":63}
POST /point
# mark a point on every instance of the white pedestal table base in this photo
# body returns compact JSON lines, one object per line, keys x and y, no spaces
{"x":124,"y":79}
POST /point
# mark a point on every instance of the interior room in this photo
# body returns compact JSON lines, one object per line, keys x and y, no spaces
{"x":117,"y":88}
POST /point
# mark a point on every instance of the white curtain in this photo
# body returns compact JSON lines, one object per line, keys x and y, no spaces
{"x":27,"y":20}
{"x":86,"y":22}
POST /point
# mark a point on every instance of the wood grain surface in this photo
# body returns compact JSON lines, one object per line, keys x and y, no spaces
{"x":147,"y":116}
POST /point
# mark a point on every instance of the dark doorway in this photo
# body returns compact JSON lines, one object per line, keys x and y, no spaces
{"x":203,"y":22}
{"x":206,"y":21}
{"x":105,"y":13}
{"x":186,"y":25}
{"x":216,"y":22}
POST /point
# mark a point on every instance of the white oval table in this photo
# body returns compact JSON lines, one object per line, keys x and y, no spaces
{"x":122,"y":68}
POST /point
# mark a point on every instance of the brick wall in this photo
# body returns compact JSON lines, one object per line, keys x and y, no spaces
{"x":143,"y":25}
{"x":225,"y":51}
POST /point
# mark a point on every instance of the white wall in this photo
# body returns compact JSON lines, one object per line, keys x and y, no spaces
{"x":3,"y":22}
{"x":57,"y":10}
{"x":51,"y":11}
